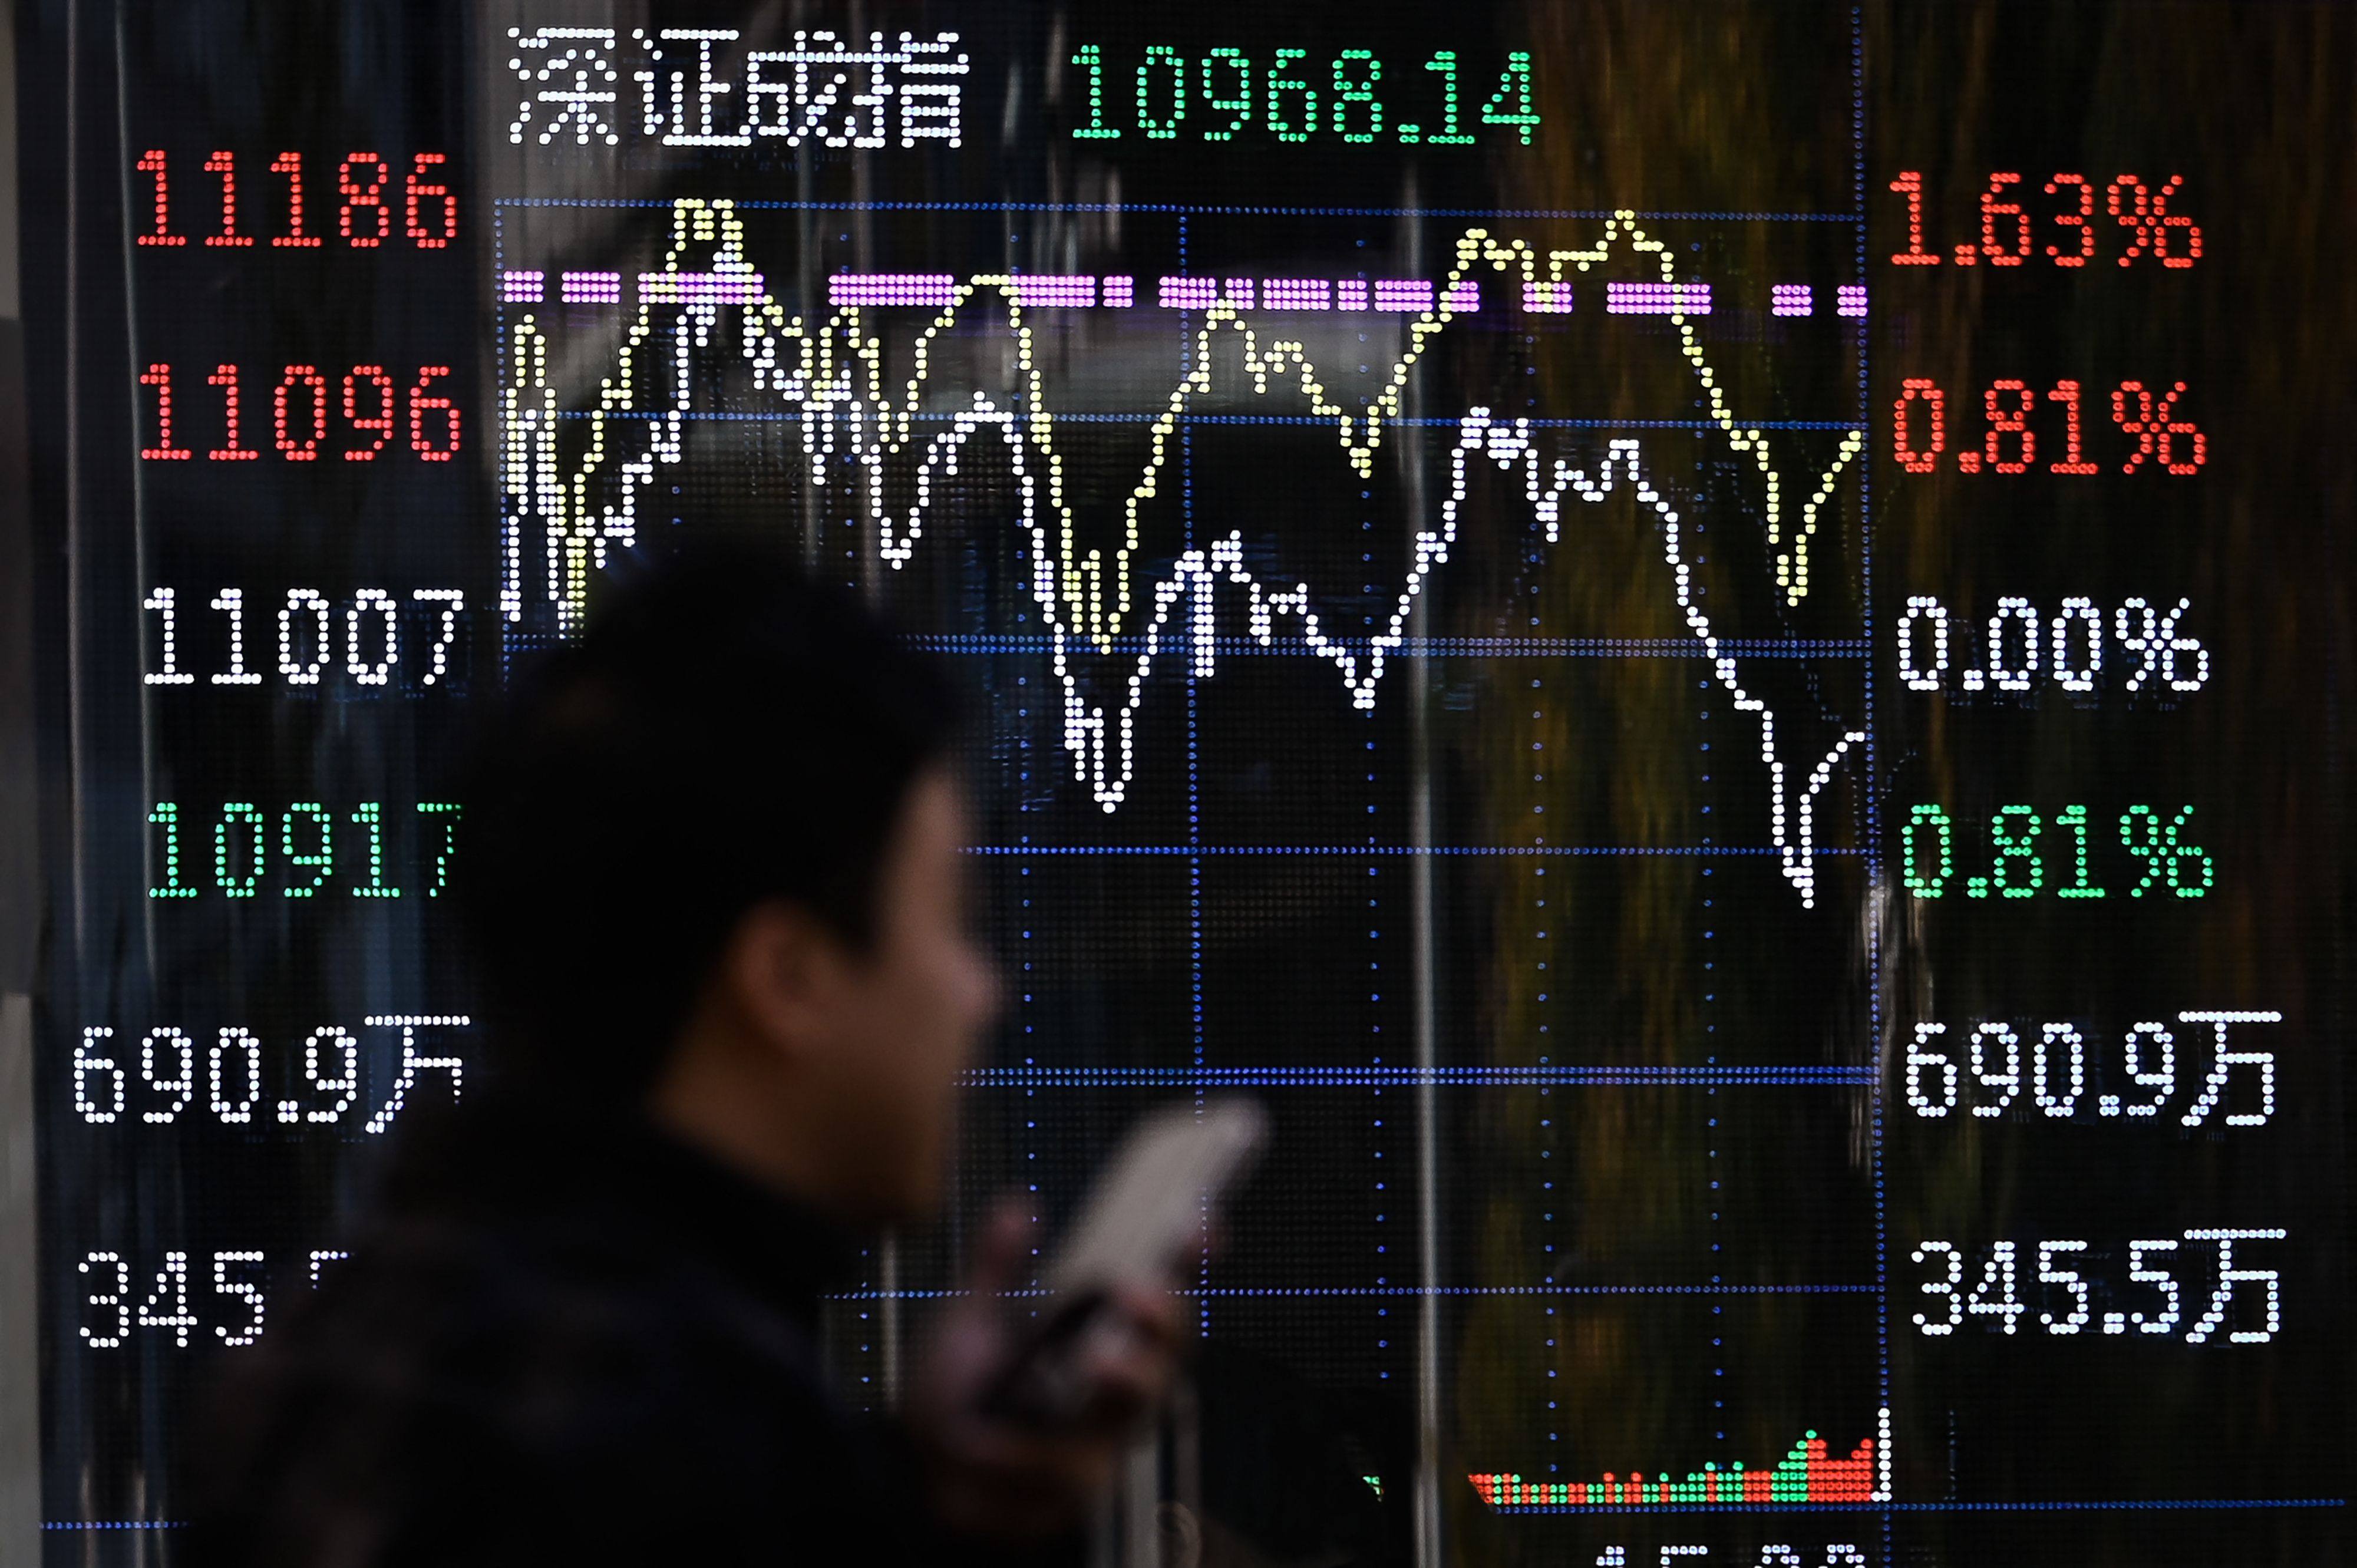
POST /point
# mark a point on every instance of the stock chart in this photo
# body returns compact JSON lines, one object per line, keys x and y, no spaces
{"x":1707,"y":643}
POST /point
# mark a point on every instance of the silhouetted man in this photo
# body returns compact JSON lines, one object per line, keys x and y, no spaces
{"x":713,"y":880}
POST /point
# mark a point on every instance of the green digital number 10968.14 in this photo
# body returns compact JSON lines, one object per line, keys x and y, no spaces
{"x":1222,"y":94}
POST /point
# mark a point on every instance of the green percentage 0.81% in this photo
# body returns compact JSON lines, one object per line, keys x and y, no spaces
{"x":2022,"y":844}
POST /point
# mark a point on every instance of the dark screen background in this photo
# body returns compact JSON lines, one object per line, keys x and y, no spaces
{"x":1598,"y":1148}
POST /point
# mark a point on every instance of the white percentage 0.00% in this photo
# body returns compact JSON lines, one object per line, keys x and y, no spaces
{"x":2022,"y":646}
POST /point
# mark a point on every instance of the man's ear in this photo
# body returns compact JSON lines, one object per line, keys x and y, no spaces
{"x":782,"y":974}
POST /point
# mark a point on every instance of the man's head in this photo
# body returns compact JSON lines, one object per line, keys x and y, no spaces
{"x":713,"y":871}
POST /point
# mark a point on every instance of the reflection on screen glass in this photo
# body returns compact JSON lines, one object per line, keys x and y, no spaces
{"x":1705,"y":642}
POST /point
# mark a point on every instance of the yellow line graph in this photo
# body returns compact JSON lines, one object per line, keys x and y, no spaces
{"x":834,"y":372}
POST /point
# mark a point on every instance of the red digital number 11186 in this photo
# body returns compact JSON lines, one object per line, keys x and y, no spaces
{"x":364,"y":213}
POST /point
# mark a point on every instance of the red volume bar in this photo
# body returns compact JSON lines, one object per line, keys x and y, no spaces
{"x":1809,"y":1473}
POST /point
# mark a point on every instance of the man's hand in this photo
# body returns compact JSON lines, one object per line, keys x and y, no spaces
{"x":991,"y":1476}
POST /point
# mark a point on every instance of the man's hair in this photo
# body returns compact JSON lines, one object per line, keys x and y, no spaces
{"x":725,"y":732}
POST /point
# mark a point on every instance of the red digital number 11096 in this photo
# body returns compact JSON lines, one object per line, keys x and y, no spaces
{"x":364,"y":214}
{"x":300,"y":409}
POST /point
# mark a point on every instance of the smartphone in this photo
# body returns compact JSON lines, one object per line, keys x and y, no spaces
{"x":1146,"y":1214}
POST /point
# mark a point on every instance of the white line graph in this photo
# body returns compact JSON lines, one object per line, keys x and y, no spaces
{"x":834,"y":375}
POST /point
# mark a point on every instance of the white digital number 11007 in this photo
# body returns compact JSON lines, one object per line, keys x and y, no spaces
{"x":308,"y":645}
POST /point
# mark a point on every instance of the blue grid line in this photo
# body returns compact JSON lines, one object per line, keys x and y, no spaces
{"x":114,"y":1524}
{"x":1698,"y":851}
{"x":1542,"y":1289}
{"x":2159,"y":1504}
{"x":1238,"y":644}
{"x":781,"y":416}
{"x":1181,"y":208}
{"x":1862,"y":802}
{"x":1194,"y":794}
{"x":1033,"y":1076}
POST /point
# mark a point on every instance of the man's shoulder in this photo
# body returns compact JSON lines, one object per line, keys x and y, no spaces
{"x":471,"y":1375}
{"x":584,"y":1342}
{"x":531,"y":1320}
